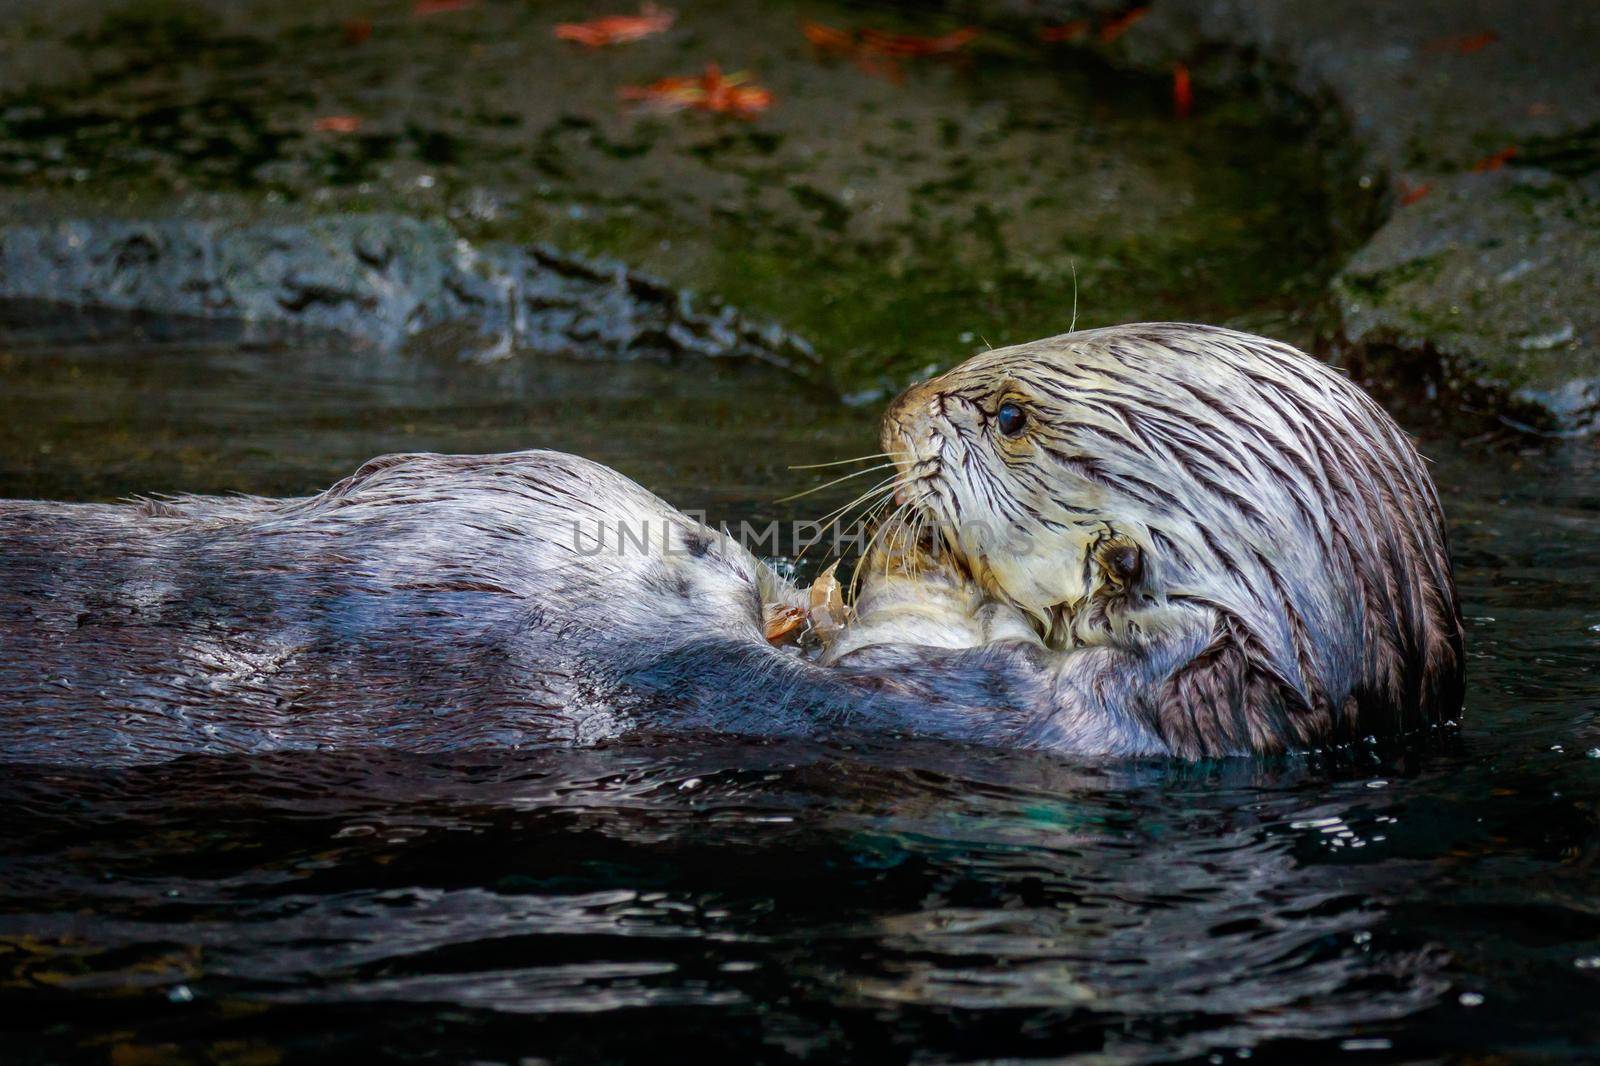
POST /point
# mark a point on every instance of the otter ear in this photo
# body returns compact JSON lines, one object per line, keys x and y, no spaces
{"x":1121,"y":562}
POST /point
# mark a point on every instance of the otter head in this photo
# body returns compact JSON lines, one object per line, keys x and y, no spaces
{"x":997,"y":458}
{"x":1162,"y":483}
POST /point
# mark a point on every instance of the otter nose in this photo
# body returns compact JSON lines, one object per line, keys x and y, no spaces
{"x":906,"y":420}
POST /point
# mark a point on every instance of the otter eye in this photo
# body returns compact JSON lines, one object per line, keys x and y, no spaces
{"x":1010,"y":418}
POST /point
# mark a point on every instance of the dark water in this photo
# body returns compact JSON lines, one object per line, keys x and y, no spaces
{"x":769,"y":902}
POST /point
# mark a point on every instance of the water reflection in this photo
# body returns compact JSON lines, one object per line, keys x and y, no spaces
{"x":939,"y":884}
{"x":88,"y":414}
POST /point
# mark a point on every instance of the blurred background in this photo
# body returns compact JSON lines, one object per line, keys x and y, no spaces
{"x":333,"y":230}
{"x":245,"y":246}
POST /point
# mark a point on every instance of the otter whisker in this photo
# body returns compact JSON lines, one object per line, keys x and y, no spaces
{"x":879,"y":494}
{"x":884,"y":503}
{"x":889,"y":486}
{"x":916,"y":541}
{"x":872,"y":510}
{"x":866,"y":552}
{"x":835,"y":481}
{"x":842,"y":462}
{"x":897,"y":534}
{"x":1073,"y":263}
{"x":878,"y":505}
{"x":901,"y":534}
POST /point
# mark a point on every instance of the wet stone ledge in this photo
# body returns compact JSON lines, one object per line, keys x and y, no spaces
{"x":383,"y":280}
{"x":1478,"y":127}
{"x":1498,"y":274}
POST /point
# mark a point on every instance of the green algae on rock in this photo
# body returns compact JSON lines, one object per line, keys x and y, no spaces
{"x":1480,"y":126}
{"x":1489,"y":271}
{"x":895,"y":223}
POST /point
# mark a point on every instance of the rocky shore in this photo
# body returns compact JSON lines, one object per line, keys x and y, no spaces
{"x":1480,"y":125}
{"x":381,"y":279}
{"x":1468,"y":138}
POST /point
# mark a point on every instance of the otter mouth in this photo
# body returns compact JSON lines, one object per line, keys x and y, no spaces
{"x":921,"y":529}
{"x":921,"y":504}
{"x":925,"y":538}
{"x":915,"y":500}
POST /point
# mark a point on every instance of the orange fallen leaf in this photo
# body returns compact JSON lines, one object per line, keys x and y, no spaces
{"x":878,"y":52}
{"x":828,"y":39}
{"x":910,"y":45}
{"x":1410,"y":194}
{"x":1540,"y":109}
{"x":618,"y":29}
{"x":711,"y":91}
{"x":423,"y":8}
{"x":1497,"y":160}
{"x":728,"y":96}
{"x":1075,"y":30}
{"x":357,"y":31}
{"x":1182,"y":91}
{"x":337,"y":124}
{"x":1113,"y":28}
{"x":1463,"y":44}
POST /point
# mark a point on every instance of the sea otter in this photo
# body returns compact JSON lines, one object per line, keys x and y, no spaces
{"x":1146,"y":540}
{"x":1248,"y":528}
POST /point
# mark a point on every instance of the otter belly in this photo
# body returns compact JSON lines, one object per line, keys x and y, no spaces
{"x":433,"y":603}
{"x":427,"y":602}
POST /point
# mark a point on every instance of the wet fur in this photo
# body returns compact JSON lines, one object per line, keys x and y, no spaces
{"x":1292,"y":588}
{"x":1292,"y":560}
{"x":425,"y":603}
